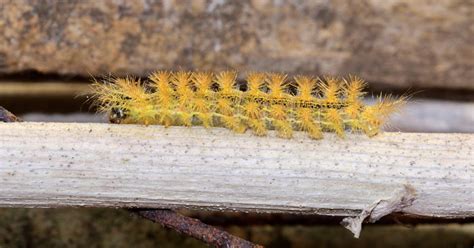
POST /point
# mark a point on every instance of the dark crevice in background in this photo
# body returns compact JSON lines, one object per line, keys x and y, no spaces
{"x":245,"y":219}
{"x":436,"y":93}
{"x":47,"y":104}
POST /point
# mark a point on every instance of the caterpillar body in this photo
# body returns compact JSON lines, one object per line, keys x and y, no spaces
{"x":265,"y":101}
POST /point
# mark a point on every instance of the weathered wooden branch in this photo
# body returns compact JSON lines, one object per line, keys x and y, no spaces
{"x":104,"y":165}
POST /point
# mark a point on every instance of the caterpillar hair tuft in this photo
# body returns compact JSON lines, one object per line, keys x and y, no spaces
{"x":269,"y":101}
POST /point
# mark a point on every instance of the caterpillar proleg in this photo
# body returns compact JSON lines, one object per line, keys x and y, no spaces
{"x":265,"y":101}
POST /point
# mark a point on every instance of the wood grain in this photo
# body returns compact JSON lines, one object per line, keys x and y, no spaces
{"x":104,"y":165}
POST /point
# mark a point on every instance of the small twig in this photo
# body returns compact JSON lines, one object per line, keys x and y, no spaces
{"x":7,"y":116}
{"x":194,"y":228}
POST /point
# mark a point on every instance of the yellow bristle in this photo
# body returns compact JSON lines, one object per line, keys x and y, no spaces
{"x":258,"y":127}
{"x":224,"y":106}
{"x":334,"y":122}
{"x":387,"y":105}
{"x":306,"y":87}
{"x":330,"y":89}
{"x":370,"y":121}
{"x":227,"y":82}
{"x":255,"y":83}
{"x":233,"y":123}
{"x":202,"y":107}
{"x":130,"y":88}
{"x":184,"y":94}
{"x":278,"y":112}
{"x":182,"y":79}
{"x":163,"y":96}
{"x":352,"y":112}
{"x":203,"y":82}
{"x":139,"y":105}
{"x":228,"y":99}
{"x":354,"y":89}
{"x":353,"y":94}
{"x":279,"y":115}
{"x":105,"y":95}
{"x":373,"y":117}
{"x":283,"y":128}
{"x":307,"y":124}
{"x":252,"y":110}
{"x":203,"y":104}
{"x":277,"y":85}
{"x":160,"y":81}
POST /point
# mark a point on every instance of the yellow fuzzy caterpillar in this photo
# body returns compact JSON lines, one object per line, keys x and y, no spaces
{"x":270,"y":102}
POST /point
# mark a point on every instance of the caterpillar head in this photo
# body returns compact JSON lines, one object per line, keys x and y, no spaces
{"x":117,"y":115}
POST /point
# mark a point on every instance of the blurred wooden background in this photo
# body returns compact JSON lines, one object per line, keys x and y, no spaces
{"x":50,"y":50}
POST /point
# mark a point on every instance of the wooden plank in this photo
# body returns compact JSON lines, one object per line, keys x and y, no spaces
{"x":104,"y":165}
